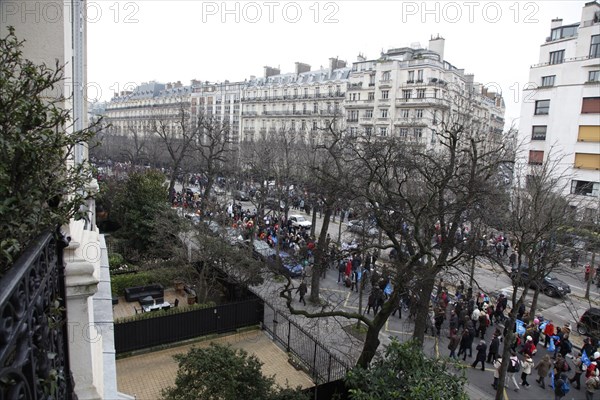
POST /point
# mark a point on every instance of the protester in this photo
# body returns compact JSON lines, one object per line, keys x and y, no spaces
{"x":526,"y":366}
{"x":543,"y":368}
{"x":480,"y":356}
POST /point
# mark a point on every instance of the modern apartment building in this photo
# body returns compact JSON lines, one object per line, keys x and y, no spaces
{"x":300,"y":102}
{"x":560,"y":114}
{"x":407,"y":90}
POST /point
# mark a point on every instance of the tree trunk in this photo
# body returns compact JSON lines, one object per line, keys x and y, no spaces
{"x":320,"y":258}
{"x":534,"y":300}
{"x":314,"y":223}
{"x":423,"y":309}
{"x":508,"y":340}
{"x":589,"y":281}
{"x":372,"y":341}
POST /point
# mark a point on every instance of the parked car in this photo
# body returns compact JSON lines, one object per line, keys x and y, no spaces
{"x":589,"y":323}
{"x":363,"y":227}
{"x":290,"y":267}
{"x":549,"y":285}
{"x":298,"y":221}
{"x":262,"y":251}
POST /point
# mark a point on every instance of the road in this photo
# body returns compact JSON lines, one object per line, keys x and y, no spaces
{"x":491,"y":281}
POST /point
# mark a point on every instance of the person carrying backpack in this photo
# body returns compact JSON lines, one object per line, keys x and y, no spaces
{"x":561,"y":386}
{"x":591,"y":385}
{"x":514,"y":366}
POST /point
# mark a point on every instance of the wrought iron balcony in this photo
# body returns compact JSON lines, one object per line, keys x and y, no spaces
{"x":34,"y":347}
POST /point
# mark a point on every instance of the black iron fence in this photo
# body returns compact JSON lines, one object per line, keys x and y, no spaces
{"x":34,"y":349}
{"x":322,"y":365}
{"x":171,"y":328}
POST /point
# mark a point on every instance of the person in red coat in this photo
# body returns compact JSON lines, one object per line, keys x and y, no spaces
{"x":549,"y":331}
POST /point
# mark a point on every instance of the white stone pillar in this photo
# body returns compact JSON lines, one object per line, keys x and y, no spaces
{"x":82,"y":259}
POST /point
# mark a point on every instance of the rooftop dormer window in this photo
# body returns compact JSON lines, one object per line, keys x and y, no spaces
{"x":564,"y":32}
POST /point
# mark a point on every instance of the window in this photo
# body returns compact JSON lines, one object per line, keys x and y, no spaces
{"x":595,"y":46}
{"x":305,"y":92}
{"x":385,"y":94}
{"x":420,"y":75}
{"x":317,"y":91}
{"x":590,"y":105}
{"x":435,"y":93}
{"x":295,"y":92}
{"x":589,"y":133}
{"x":419,"y":113}
{"x":594,"y":76}
{"x":303,"y":125}
{"x":548,"y":80}
{"x":563,"y":32}
{"x":372,"y":80}
{"x":384,"y":113}
{"x":383,"y":130}
{"x":404,"y":113}
{"x":587,"y":161}
{"x":536,"y":157}
{"x":411,"y":77}
{"x":353,"y":131}
{"x":314,"y":125}
{"x":538,"y":132}
{"x":304,"y":107}
{"x":293,"y":125}
{"x":403,"y":132}
{"x":315,"y":108}
{"x":557,"y":57}
{"x":585,"y":188}
{"x":418,"y":133}
{"x":542,"y":107}
{"x":369,"y":130}
{"x":407,"y":94}
{"x":353,"y":117}
{"x":371,"y":96}
{"x":385,"y":76}
{"x":420,"y":93}
{"x":369,"y":114}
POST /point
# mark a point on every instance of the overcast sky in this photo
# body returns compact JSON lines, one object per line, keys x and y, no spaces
{"x":131,"y":42}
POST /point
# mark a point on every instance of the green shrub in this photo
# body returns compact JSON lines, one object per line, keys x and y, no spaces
{"x":162,"y":313}
{"x":115,"y":260}
{"x":121,"y":282}
{"x":163,"y":276}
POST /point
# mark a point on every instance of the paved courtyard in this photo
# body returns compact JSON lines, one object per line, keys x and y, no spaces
{"x":144,"y":375}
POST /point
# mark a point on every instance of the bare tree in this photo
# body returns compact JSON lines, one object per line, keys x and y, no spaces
{"x":419,"y":196}
{"x":173,"y":125}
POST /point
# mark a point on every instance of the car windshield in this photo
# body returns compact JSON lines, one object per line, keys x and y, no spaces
{"x":551,"y":277}
{"x":300,"y":218}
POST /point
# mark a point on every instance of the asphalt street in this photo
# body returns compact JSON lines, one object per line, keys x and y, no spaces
{"x":488,"y":279}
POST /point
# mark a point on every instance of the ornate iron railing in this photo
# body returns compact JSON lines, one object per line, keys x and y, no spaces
{"x":34,"y":348}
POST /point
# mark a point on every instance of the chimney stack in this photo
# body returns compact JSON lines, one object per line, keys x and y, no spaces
{"x":334,"y":63}
{"x":301,"y":67}
{"x":556,"y":23}
{"x":437,"y":45}
{"x":269,"y":71}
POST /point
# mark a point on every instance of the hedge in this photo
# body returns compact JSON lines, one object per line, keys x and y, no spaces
{"x":163,"y":276}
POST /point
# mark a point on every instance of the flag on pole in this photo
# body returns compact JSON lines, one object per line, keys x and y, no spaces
{"x":520,"y":327}
{"x":552,"y":379}
{"x":585,"y":359}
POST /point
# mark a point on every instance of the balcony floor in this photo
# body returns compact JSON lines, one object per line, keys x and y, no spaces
{"x":145,"y":375}
{"x":125,"y":309}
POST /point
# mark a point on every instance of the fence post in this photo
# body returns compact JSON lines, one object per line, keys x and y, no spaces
{"x":315,"y":364}
{"x":289,"y":334}
{"x":329,"y":369}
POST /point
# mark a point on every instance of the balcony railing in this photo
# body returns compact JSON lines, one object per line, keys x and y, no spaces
{"x":34,"y":347}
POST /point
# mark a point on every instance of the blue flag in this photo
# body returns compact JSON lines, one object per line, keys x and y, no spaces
{"x":585,"y":359}
{"x":551,"y":347}
{"x":388,"y":289}
{"x":552,"y":379}
{"x":543,"y":326}
{"x":520,"y":327}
